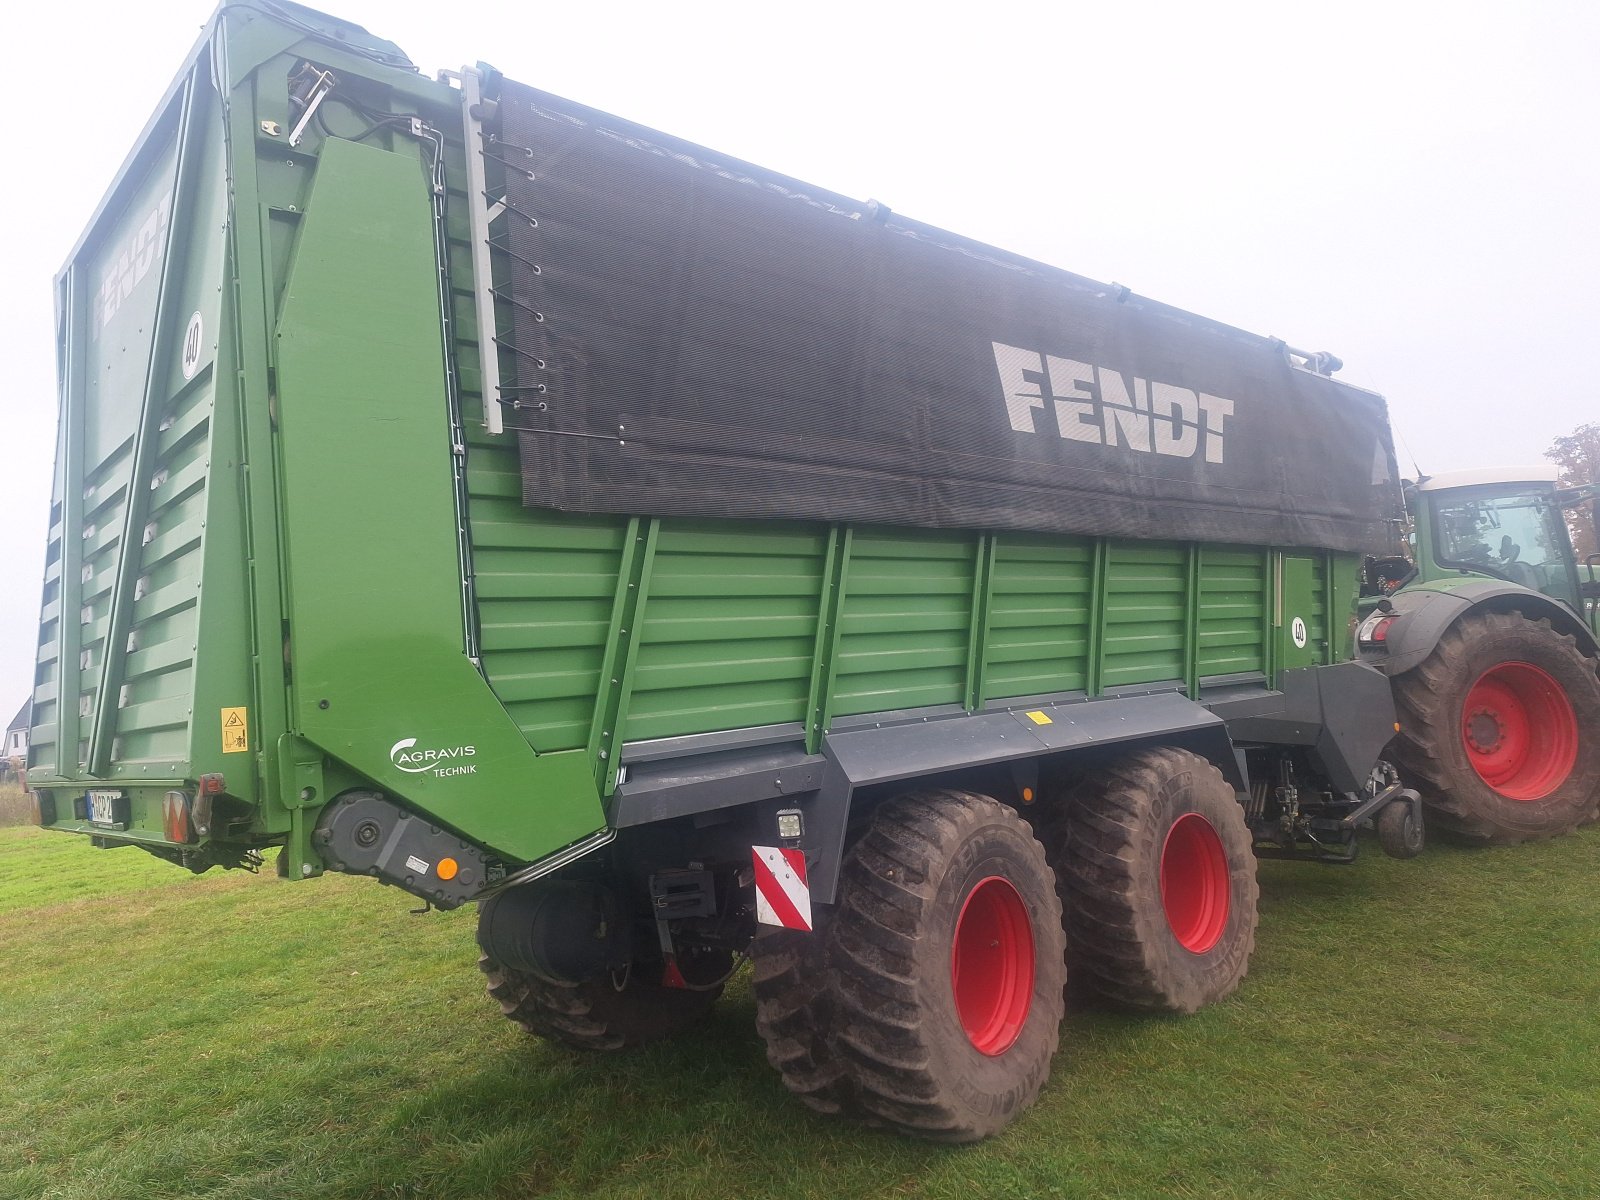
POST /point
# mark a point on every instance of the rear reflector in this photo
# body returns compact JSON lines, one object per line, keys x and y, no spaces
{"x":175,"y":811}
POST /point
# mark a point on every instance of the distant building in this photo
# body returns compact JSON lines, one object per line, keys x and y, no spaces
{"x":16,"y":745}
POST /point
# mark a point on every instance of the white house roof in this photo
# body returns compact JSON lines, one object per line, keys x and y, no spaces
{"x":20,"y":721}
{"x":1489,"y":476}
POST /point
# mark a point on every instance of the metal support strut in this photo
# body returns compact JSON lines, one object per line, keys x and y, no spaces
{"x":480,"y":214}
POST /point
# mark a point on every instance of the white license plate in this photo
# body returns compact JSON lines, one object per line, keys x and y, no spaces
{"x":103,"y":807}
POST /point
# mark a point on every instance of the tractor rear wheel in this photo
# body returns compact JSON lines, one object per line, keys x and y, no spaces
{"x":611,"y":1013}
{"x":931,"y":1000}
{"x":1500,"y":730}
{"x":1158,"y":882}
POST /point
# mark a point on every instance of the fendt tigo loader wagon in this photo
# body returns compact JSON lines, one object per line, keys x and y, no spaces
{"x":467,"y":488}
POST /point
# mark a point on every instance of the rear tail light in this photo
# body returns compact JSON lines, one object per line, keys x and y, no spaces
{"x":1374,"y":630}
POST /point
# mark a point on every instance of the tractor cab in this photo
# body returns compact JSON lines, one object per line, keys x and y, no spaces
{"x":1508,"y":524}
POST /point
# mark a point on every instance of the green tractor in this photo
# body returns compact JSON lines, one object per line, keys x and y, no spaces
{"x":1488,"y":631}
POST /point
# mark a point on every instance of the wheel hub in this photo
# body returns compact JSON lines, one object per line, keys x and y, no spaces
{"x":1519,"y":731}
{"x":991,"y":965}
{"x":1195,"y":883}
{"x":1484,"y":732}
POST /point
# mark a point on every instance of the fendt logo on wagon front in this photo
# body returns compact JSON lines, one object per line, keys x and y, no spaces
{"x":442,"y":761}
{"x":1105,"y":407}
{"x":128,"y":264}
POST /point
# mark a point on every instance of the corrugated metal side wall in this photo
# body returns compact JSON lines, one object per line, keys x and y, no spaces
{"x":726,"y":622}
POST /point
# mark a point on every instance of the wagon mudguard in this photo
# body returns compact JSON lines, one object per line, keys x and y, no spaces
{"x":1343,"y":714}
{"x":902,"y":753}
{"x":823,"y":786}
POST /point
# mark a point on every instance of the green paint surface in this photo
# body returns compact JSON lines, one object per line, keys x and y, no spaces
{"x":298,"y":553}
{"x":374,"y":581}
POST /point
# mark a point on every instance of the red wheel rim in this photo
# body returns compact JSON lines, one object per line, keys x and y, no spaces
{"x":991,"y":965}
{"x":1194,"y":883}
{"x":1520,"y":731}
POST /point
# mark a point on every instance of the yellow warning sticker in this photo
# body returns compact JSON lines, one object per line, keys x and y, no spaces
{"x":235,"y":730}
{"x":1039,"y":718}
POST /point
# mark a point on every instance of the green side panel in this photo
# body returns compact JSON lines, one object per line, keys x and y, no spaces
{"x":1321,"y":589}
{"x":1319,"y":608}
{"x":47,"y":669}
{"x":545,"y":587}
{"x":1145,"y":613}
{"x":55,"y":693}
{"x":1232,"y":618}
{"x":188,"y":589}
{"x":106,"y":487}
{"x":1039,"y":613}
{"x":728,"y":628}
{"x":1342,"y":588}
{"x":157,"y":545}
{"x":109,"y":337}
{"x":374,"y":580}
{"x":1302,"y":599}
{"x":905,"y":624}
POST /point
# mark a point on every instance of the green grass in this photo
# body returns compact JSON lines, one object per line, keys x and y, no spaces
{"x":1426,"y":1029}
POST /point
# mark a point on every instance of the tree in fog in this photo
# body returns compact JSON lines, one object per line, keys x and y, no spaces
{"x":1578,"y":457}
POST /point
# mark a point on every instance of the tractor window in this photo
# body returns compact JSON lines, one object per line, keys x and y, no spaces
{"x":1519,"y":537}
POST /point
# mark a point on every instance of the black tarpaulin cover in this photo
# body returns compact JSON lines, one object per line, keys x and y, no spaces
{"x":718,"y":340}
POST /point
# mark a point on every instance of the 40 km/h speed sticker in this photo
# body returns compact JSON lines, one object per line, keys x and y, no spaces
{"x":1297,"y":631}
{"x":193,"y":337}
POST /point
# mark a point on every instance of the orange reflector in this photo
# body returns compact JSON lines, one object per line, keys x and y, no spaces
{"x":175,"y":818}
{"x":1027,"y":795}
{"x":1397,"y":726}
{"x":447,"y":868}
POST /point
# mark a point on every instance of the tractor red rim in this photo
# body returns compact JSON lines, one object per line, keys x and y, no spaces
{"x":1195,"y":890}
{"x":1519,"y":730}
{"x":991,"y":965}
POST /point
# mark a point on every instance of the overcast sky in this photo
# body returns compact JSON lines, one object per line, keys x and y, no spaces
{"x":1412,"y":186}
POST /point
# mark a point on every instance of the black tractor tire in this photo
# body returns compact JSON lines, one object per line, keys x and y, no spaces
{"x":1400,"y":831}
{"x":1458,"y":742}
{"x":598,"y":1014}
{"x":930,"y":999}
{"x":1115,"y":836}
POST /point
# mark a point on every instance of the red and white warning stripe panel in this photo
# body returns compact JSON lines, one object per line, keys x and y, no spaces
{"x":783,"y":897}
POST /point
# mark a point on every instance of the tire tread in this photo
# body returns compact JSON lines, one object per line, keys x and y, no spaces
{"x":842,"y":1011}
{"x":1098,"y":834}
{"x":585,"y":1017}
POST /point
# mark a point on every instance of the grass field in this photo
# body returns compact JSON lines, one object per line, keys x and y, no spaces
{"x":1426,"y":1029}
